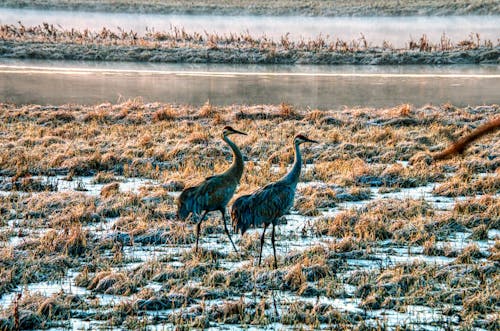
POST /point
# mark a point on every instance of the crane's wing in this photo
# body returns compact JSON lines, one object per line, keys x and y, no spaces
{"x":214,"y":193}
{"x":263,"y":206}
{"x":272,"y":201}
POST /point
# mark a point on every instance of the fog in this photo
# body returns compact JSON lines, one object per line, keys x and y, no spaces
{"x":396,"y":30}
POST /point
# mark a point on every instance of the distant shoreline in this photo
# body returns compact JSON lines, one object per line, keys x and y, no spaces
{"x":274,"y":8}
{"x":52,"y":42}
{"x":250,"y":55}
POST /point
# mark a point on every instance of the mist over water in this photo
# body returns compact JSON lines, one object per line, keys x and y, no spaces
{"x":323,"y":87}
{"x":57,"y":82}
{"x":398,"y":31}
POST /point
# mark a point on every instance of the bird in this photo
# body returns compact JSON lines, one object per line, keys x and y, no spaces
{"x":214,"y":192}
{"x":267,"y":204}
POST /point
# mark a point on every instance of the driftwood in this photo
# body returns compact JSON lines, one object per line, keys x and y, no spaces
{"x":459,"y":146}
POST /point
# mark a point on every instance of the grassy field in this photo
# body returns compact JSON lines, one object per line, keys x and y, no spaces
{"x":281,"y":7}
{"x":380,"y":237}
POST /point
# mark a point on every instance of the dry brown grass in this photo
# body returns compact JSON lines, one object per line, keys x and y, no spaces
{"x":113,"y":283}
{"x":164,"y":144}
{"x":466,"y":184}
{"x":357,"y":155}
{"x":110,"y":189}
{"x":166,"y":113}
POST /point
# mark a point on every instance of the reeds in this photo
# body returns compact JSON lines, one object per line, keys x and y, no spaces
{"x":178,"y":37}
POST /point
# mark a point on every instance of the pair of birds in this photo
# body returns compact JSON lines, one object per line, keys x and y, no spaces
{"x":263,"y":207}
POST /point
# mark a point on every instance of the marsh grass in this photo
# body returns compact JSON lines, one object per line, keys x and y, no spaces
{"x":232,"y":47}
{"x":178,"y":37}
{"x":113,"y":283}
{"x":103,"y":178}
{"x":463,"y":184}
{"x":403,"y":221}
{"x":359,"y":152}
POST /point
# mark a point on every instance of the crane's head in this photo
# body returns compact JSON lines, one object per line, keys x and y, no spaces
{"x":229,"y":130}
{"x":299,"y":139}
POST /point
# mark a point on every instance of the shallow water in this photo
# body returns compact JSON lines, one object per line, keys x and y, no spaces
{"x":383,"y":255}
{"x":396,"y":30}
{"x":322,"y":87}
{"x":86,"y":184}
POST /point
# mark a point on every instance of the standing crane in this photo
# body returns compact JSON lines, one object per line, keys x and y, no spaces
{"x":214,"y":192}
{"x":267,"y":204}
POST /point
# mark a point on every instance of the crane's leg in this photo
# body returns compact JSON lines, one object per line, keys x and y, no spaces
{"x":262,"y":241}
{"x":223,"y":211}
{"x":198,"y":228}
{"x":274,"y":248}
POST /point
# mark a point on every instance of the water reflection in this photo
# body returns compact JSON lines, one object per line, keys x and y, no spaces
{"x":320,"y":87}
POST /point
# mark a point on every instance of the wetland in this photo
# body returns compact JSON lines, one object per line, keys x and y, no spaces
{"x":109,"y":109}
{"x":378,"y":236}
{"x":66,"y":35}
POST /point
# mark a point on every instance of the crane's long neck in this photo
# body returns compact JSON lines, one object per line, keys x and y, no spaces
{"x":236,"y":168}
{"x":293,"y":176}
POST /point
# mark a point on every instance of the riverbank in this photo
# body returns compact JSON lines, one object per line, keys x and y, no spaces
{"x":228,"y":55}
{"x":50,"y":43}
{"x":276,"y":8}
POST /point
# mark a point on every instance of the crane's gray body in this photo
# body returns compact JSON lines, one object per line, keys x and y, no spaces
{"x":264,"y":206}
{"x":214,"y":192}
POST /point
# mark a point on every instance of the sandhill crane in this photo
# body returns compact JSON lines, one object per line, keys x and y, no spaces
{"x":214,"y":192}
{"x":267,"y":204}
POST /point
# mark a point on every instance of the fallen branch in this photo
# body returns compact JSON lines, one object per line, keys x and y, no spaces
{"x":460,"y":146}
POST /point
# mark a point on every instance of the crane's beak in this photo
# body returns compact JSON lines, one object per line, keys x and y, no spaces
{"x":311,"y":141}
{"x":239,"y":132}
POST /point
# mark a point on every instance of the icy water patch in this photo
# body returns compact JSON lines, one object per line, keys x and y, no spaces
{"x":86,"y":184}
{"x":83,"y":184}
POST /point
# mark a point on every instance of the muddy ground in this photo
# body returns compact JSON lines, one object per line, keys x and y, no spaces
{"x":281,"y":7}
{"x":379,"y":236}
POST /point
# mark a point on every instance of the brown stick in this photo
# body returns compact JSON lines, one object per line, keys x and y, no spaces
{"x":460,"y":145}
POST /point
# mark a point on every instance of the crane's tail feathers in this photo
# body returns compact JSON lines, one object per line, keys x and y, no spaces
{"x":186,"y":204}
{"x":241,"y":215}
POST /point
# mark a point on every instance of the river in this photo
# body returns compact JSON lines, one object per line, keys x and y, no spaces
{"x":322,"y":87}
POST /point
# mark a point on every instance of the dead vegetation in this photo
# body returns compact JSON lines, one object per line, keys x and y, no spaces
{"x":356,"y":215}
{"x":47,"y":41}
